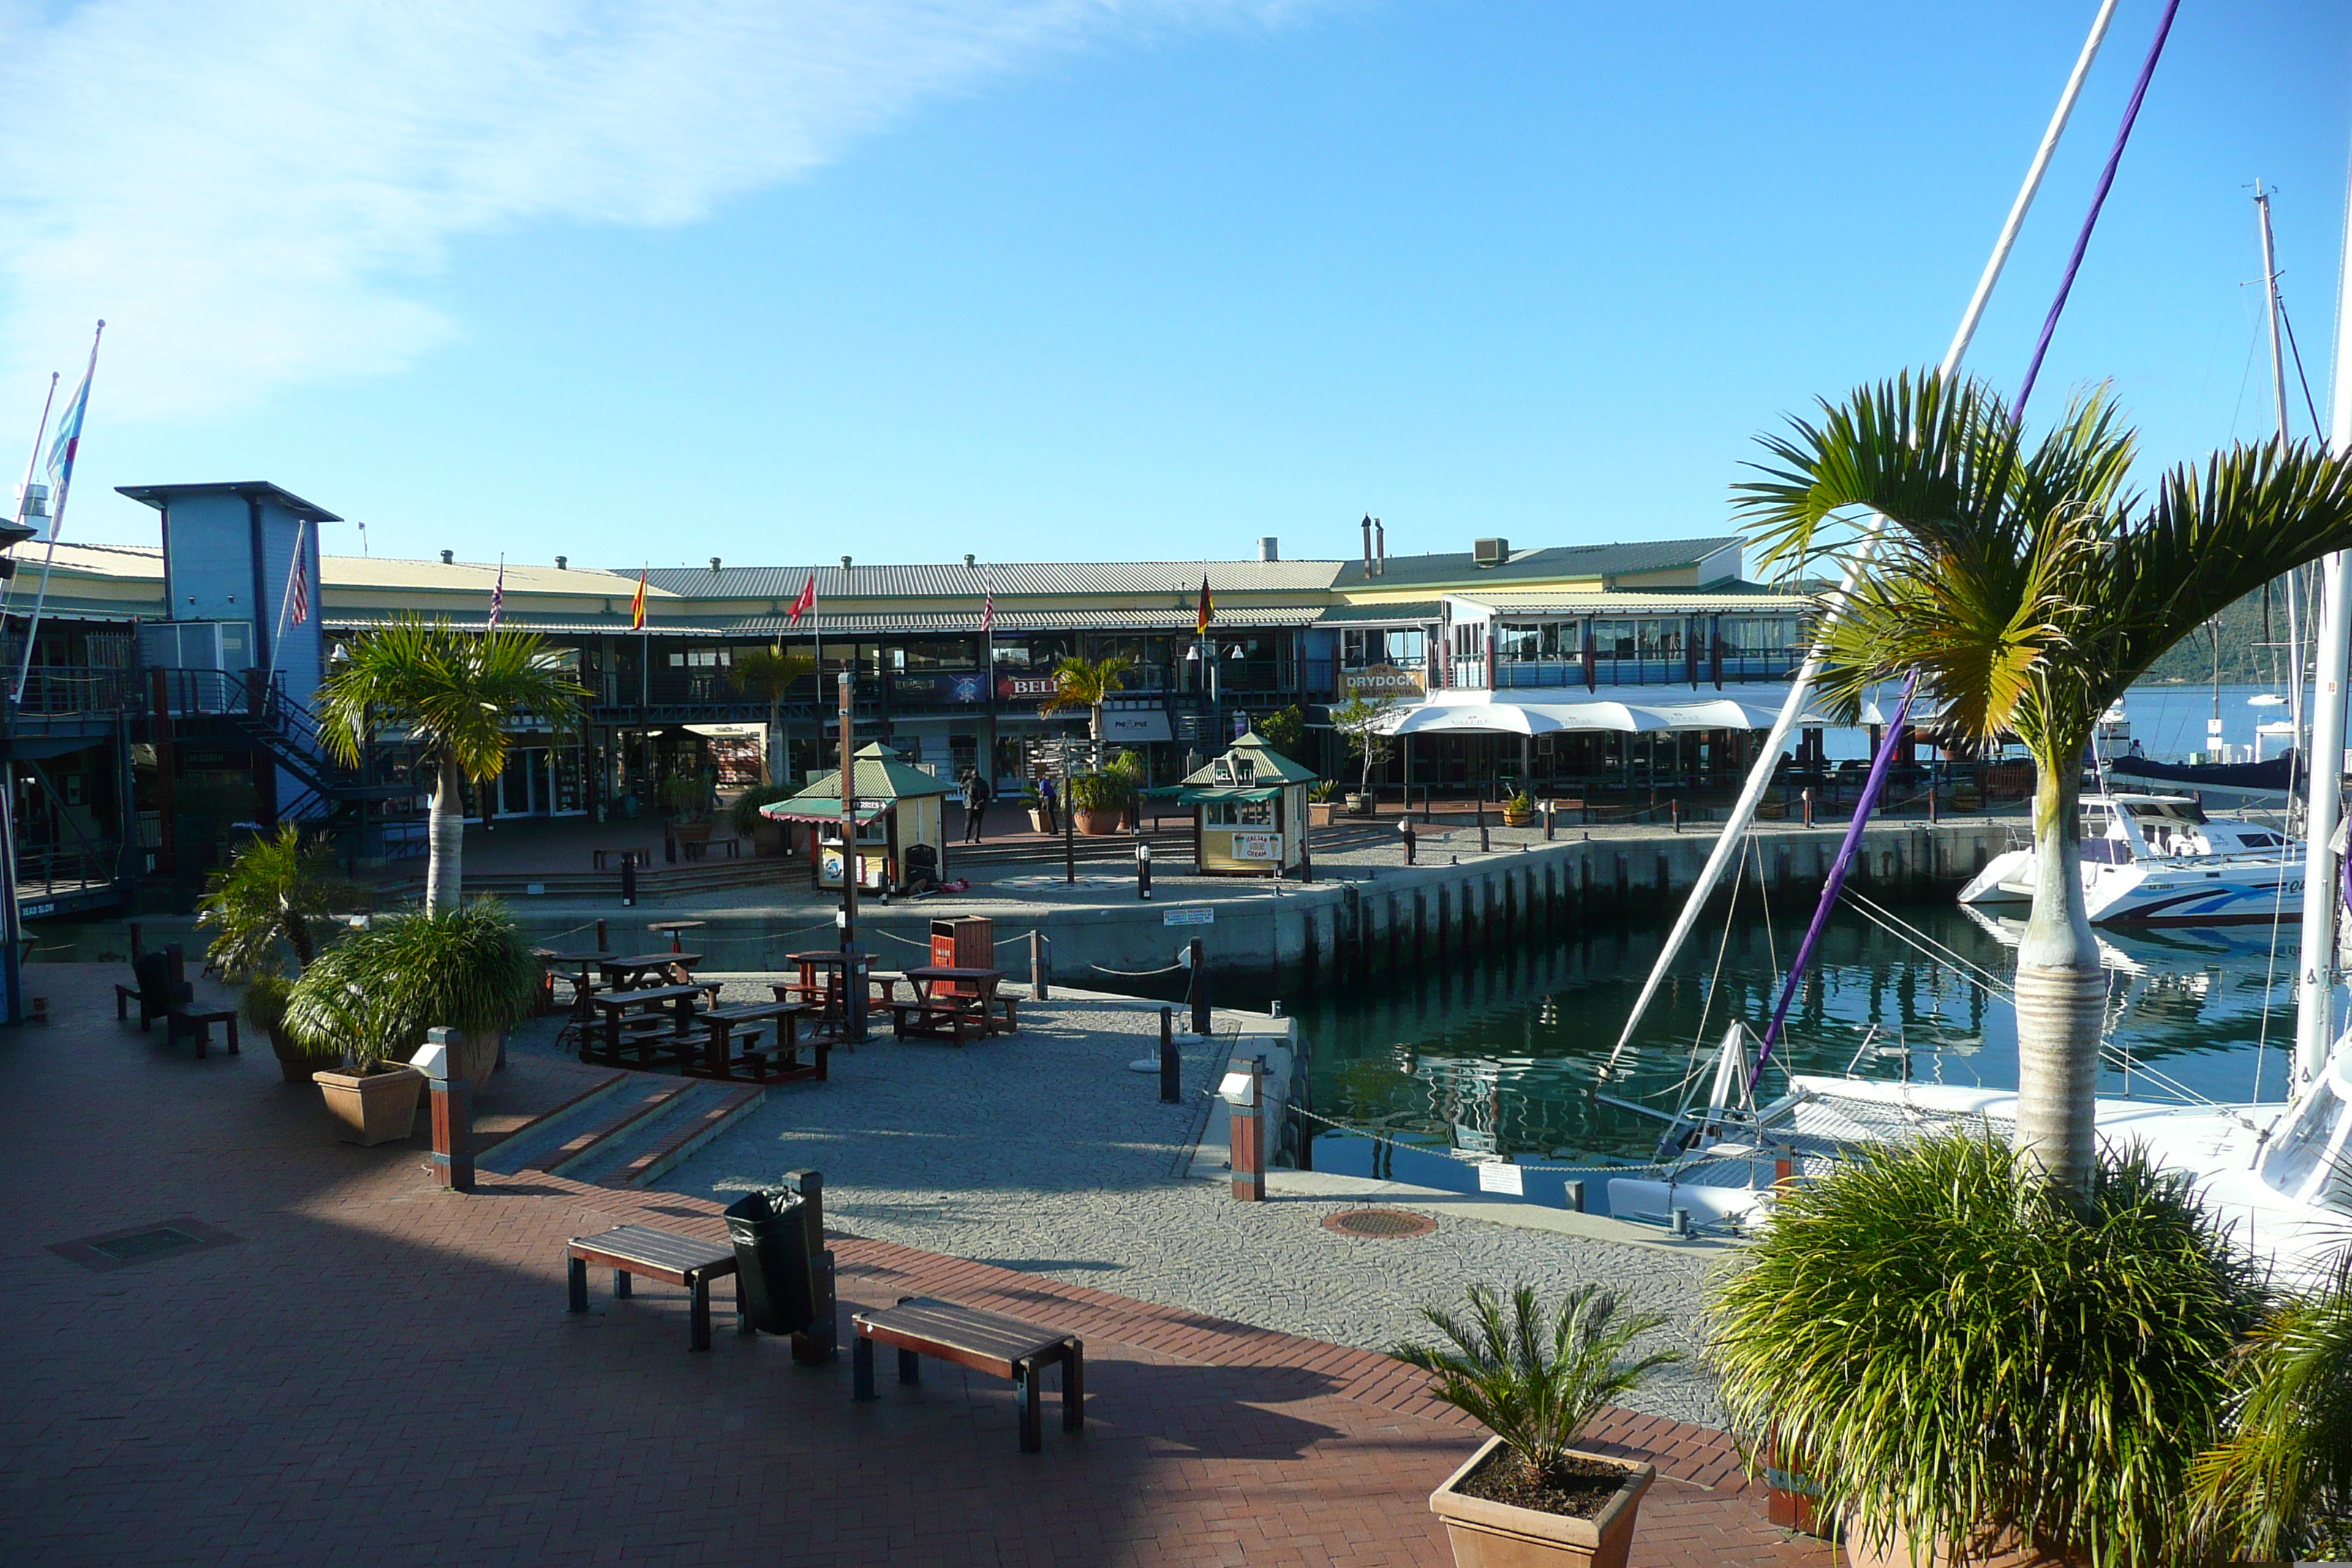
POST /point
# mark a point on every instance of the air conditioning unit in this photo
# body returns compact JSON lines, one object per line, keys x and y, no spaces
{"x":1490,"y":551}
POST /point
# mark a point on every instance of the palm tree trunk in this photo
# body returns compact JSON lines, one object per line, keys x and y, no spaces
{"x":2062,"y":991}
{"x":444,"y":839}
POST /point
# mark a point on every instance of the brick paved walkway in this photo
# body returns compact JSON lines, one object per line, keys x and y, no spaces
{"x":374,"y":1372}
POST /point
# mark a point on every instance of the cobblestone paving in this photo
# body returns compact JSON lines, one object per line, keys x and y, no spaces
{"x":1044,"y":1153}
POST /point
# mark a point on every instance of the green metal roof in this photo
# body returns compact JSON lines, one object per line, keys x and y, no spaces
{"x":1267,"y":765}
{"x":880,"y":776}
{"x":817,"y":808}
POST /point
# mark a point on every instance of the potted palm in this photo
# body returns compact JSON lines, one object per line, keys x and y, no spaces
{"x":1519,"y":811}
{"x":1100,"y":801}
{"x":687,"y":798}
{"x":372,"y":995}
{"x":273,"y":904}
{"x":1964,"y":1358}
{"x":766,"y":835}
{"x":1321,"y":802}
{"x":1528,"y":1495}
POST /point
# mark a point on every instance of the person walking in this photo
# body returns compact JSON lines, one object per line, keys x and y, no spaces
{"x":976,"y":796}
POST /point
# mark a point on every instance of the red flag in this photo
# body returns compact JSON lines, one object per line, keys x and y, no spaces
{"x":1208,"y":606}
{"x":637,"y":605}
{"x":806,"y":604}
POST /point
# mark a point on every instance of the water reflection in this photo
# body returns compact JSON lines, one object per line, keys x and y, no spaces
{"x":1504,"y":1054}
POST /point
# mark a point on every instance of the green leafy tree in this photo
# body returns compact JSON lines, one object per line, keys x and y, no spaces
{"x":1535,"y":1380}
{"x":456,"y":692}
{"x":2028,"y":585}
{"x":1086,"y":683}
{"x":771,"y":673}
{"x":1285,"y":730}
{"x":1362,"y":722}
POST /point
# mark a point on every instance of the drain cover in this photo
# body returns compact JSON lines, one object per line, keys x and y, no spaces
{"x":1382,"y":1225}
{"x":141,"y":1244}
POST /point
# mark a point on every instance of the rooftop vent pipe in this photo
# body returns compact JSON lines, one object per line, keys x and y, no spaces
{"x":1380,"y":548}
{"x":971,"y":560}
{"x":1269,"y":549}
{"x":563,"y":563}
{"x":448,"y":558}
{"x":1368,"y":544}
{"x":844,"y":565}
{"x":714,"y":563}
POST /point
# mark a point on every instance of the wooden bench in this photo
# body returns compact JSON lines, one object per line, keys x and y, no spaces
{"x":602,"y":859}
{"x":164,"y":992}
{"x":661,"y":1254}
{"x":985,"y":1341}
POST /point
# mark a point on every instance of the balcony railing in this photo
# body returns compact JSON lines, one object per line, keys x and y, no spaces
{"x":70,"y":868}
{"x":66,"y":691}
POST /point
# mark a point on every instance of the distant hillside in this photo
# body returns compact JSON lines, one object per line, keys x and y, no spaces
{"x":2243,"y":659}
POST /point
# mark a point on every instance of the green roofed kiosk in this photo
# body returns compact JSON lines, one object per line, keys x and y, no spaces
{"x":1249,"y":811}
{"x":900,"y":821}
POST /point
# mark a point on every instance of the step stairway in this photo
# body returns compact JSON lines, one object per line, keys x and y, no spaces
{"x":625,"y":1134}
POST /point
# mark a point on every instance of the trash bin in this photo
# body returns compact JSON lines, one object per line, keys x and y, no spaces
{"x":771,"y":1255}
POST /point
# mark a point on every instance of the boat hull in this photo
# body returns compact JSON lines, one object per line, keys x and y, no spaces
{"x":2205,"y":892}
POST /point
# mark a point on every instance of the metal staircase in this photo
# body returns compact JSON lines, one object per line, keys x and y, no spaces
{"x":281,"y":726}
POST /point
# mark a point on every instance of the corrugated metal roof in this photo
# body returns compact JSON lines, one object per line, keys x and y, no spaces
{"x":1010,"y":579}
{"x":1697,"y":602}
{"x":514,"y":620}
{"x":1235,"y":619}
{"x":476,"y":577}
{"x":1398,"y":610}
{"x":1563,"y":561}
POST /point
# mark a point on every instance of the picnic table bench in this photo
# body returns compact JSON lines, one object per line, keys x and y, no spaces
{"x":989,"y":1342}
{"x":725,"y":1054}
{"x":640,"y":1025}
{"x":662,"y":1254}
{"x":951,"y":1003}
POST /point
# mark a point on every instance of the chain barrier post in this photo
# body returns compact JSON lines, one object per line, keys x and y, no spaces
{"x":1038,"y":978}
{"x":1411,"y":840}
{"x":1171,"y":1064}
{"x":1200,"y":987}
{"x":603,"y":943}
{"x":1143,"y":870}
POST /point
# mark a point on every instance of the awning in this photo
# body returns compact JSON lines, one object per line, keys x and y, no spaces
{"x":1136,"y":724}
{"x":805,"y":809}
{"x":1625,"y":711}
{"x":1206,"y":793}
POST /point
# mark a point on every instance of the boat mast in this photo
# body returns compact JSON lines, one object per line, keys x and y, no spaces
{"x":2314,"y":987}
{"x":2278,"y":398}
{"x":1751,"y":793}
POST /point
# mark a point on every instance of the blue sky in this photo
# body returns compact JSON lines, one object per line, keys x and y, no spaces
{"x":906,"y":278}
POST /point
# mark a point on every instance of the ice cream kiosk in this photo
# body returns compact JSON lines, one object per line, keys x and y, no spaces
{"x":901,"y":829}
{"x":1249,"y":811}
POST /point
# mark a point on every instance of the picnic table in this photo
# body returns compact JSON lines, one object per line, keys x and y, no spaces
{"x":637,"y":968}
{"x":723,"y":1057}
{"x":641,"y":1024}
{"x":988,"y":1343}
{"x":672,"y":930}
{"x":951,"y":1003}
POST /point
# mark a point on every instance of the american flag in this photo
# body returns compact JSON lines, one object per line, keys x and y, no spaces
{"x":987,"y":606}
{"x":298,"y":593}
{"x":498,"y":594}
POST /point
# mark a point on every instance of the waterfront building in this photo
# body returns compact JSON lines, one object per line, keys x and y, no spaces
{"x":170,"y":684}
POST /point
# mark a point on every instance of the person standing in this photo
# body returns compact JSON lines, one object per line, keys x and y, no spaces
{"x":976,"y":796}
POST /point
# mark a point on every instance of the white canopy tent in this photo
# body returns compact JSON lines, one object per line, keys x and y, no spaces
{"x":1626,"y":711}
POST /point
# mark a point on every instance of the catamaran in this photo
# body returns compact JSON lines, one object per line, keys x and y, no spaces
{"x":2157,"y":860}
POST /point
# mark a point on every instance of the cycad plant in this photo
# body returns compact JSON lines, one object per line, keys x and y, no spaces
{"x":1536,"y":1378}
{"x":1951,"y":1348}
{"x":2028,"y":584}
{"x":1086,"y":683}
{"x":373,"y":994}
{"x":2280,"y":1484}
{"x":456,"y":692}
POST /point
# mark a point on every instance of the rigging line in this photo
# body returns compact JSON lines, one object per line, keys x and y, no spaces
{"x":2091,"y":219}
{"x":1990,"y":986}
{"x":2295,"y":349}
{"x":1886,"y":920}
{"x":1706,"y":1003}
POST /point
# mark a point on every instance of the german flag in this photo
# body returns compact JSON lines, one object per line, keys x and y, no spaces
{"x":637,"y":604}
{"x":1208,"y":607}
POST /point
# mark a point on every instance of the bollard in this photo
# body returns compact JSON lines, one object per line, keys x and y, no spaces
{"x":854,"y":1000}
{"x":603,"y":943}
{"x":817,"y":1344}
{"x":1039,"y":990}
{"x":628,"y":883}
{"x":1172,"y":1066}
{"x":452,"y":1160}
{"x":1411,"y":840}
{"x":1244,"y":1092}
{"x":1306,"y":860}
{"x":1142,"y":870}
{"x":137,"y":946}
{"x":1484,"y":847}
{"x":1551,"y":818}
{"x":1806,"y":796}
{"x":1680,"y":1224}
{"x":1674,"y":810}
{"x":1199,"y":986}
{"x":1575,"y":1196}
{"x":1931,"y":802}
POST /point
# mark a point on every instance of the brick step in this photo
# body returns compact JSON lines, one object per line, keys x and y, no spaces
{"x":627,"y":1132}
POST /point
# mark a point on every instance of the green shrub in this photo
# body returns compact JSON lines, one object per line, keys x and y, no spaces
{"x":1946,"y":1347}
{"x":2280,"y":1484}
{"x":372,"y":996}
{"x":744,"y":816}
{"x":1534,"y":1382}
{"x":1111,"y":790}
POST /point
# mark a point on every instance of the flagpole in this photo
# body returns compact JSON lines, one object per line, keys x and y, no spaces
{"x":285,"y":599}
{"x":57,"y":523}
{"x":32,"y":465}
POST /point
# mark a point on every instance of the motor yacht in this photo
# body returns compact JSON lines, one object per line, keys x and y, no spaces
{"x":2159,"y":860}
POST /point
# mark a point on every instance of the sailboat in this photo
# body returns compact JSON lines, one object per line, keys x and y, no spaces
{"x":2279,"y":1175}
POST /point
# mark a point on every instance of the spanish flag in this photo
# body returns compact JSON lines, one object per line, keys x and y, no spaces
{"x":1208,"y":606}
{"x":637,"y":604}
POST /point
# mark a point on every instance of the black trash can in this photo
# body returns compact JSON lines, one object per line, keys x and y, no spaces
{"x":772,"y":1254}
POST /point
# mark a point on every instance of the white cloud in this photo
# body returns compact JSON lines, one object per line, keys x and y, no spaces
{"x":248,"y":190}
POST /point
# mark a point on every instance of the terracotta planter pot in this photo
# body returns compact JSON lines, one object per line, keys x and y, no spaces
{"x":691,"y":832}
{"x":1318,"y":813}
{"x":477,"y":1055}
{"x":1361,"y":804}
{"x":378,"y":1109}
{"x":1518,"y":818}
{"x":1498,"y":1535}
{"x":297,"y":1064}
{"x":1099,"y":824}
{"x":768,"y":838}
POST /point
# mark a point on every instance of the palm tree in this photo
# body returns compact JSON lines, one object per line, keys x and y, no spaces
{"x":1086,"y":683}
{"x":771,"y":673}
{"x":455,"y":692}
{"x":2028,"y":585}
{"x":276,"y":888}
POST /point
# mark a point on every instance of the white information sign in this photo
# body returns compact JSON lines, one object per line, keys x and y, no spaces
{"x":1497,"y":1176}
